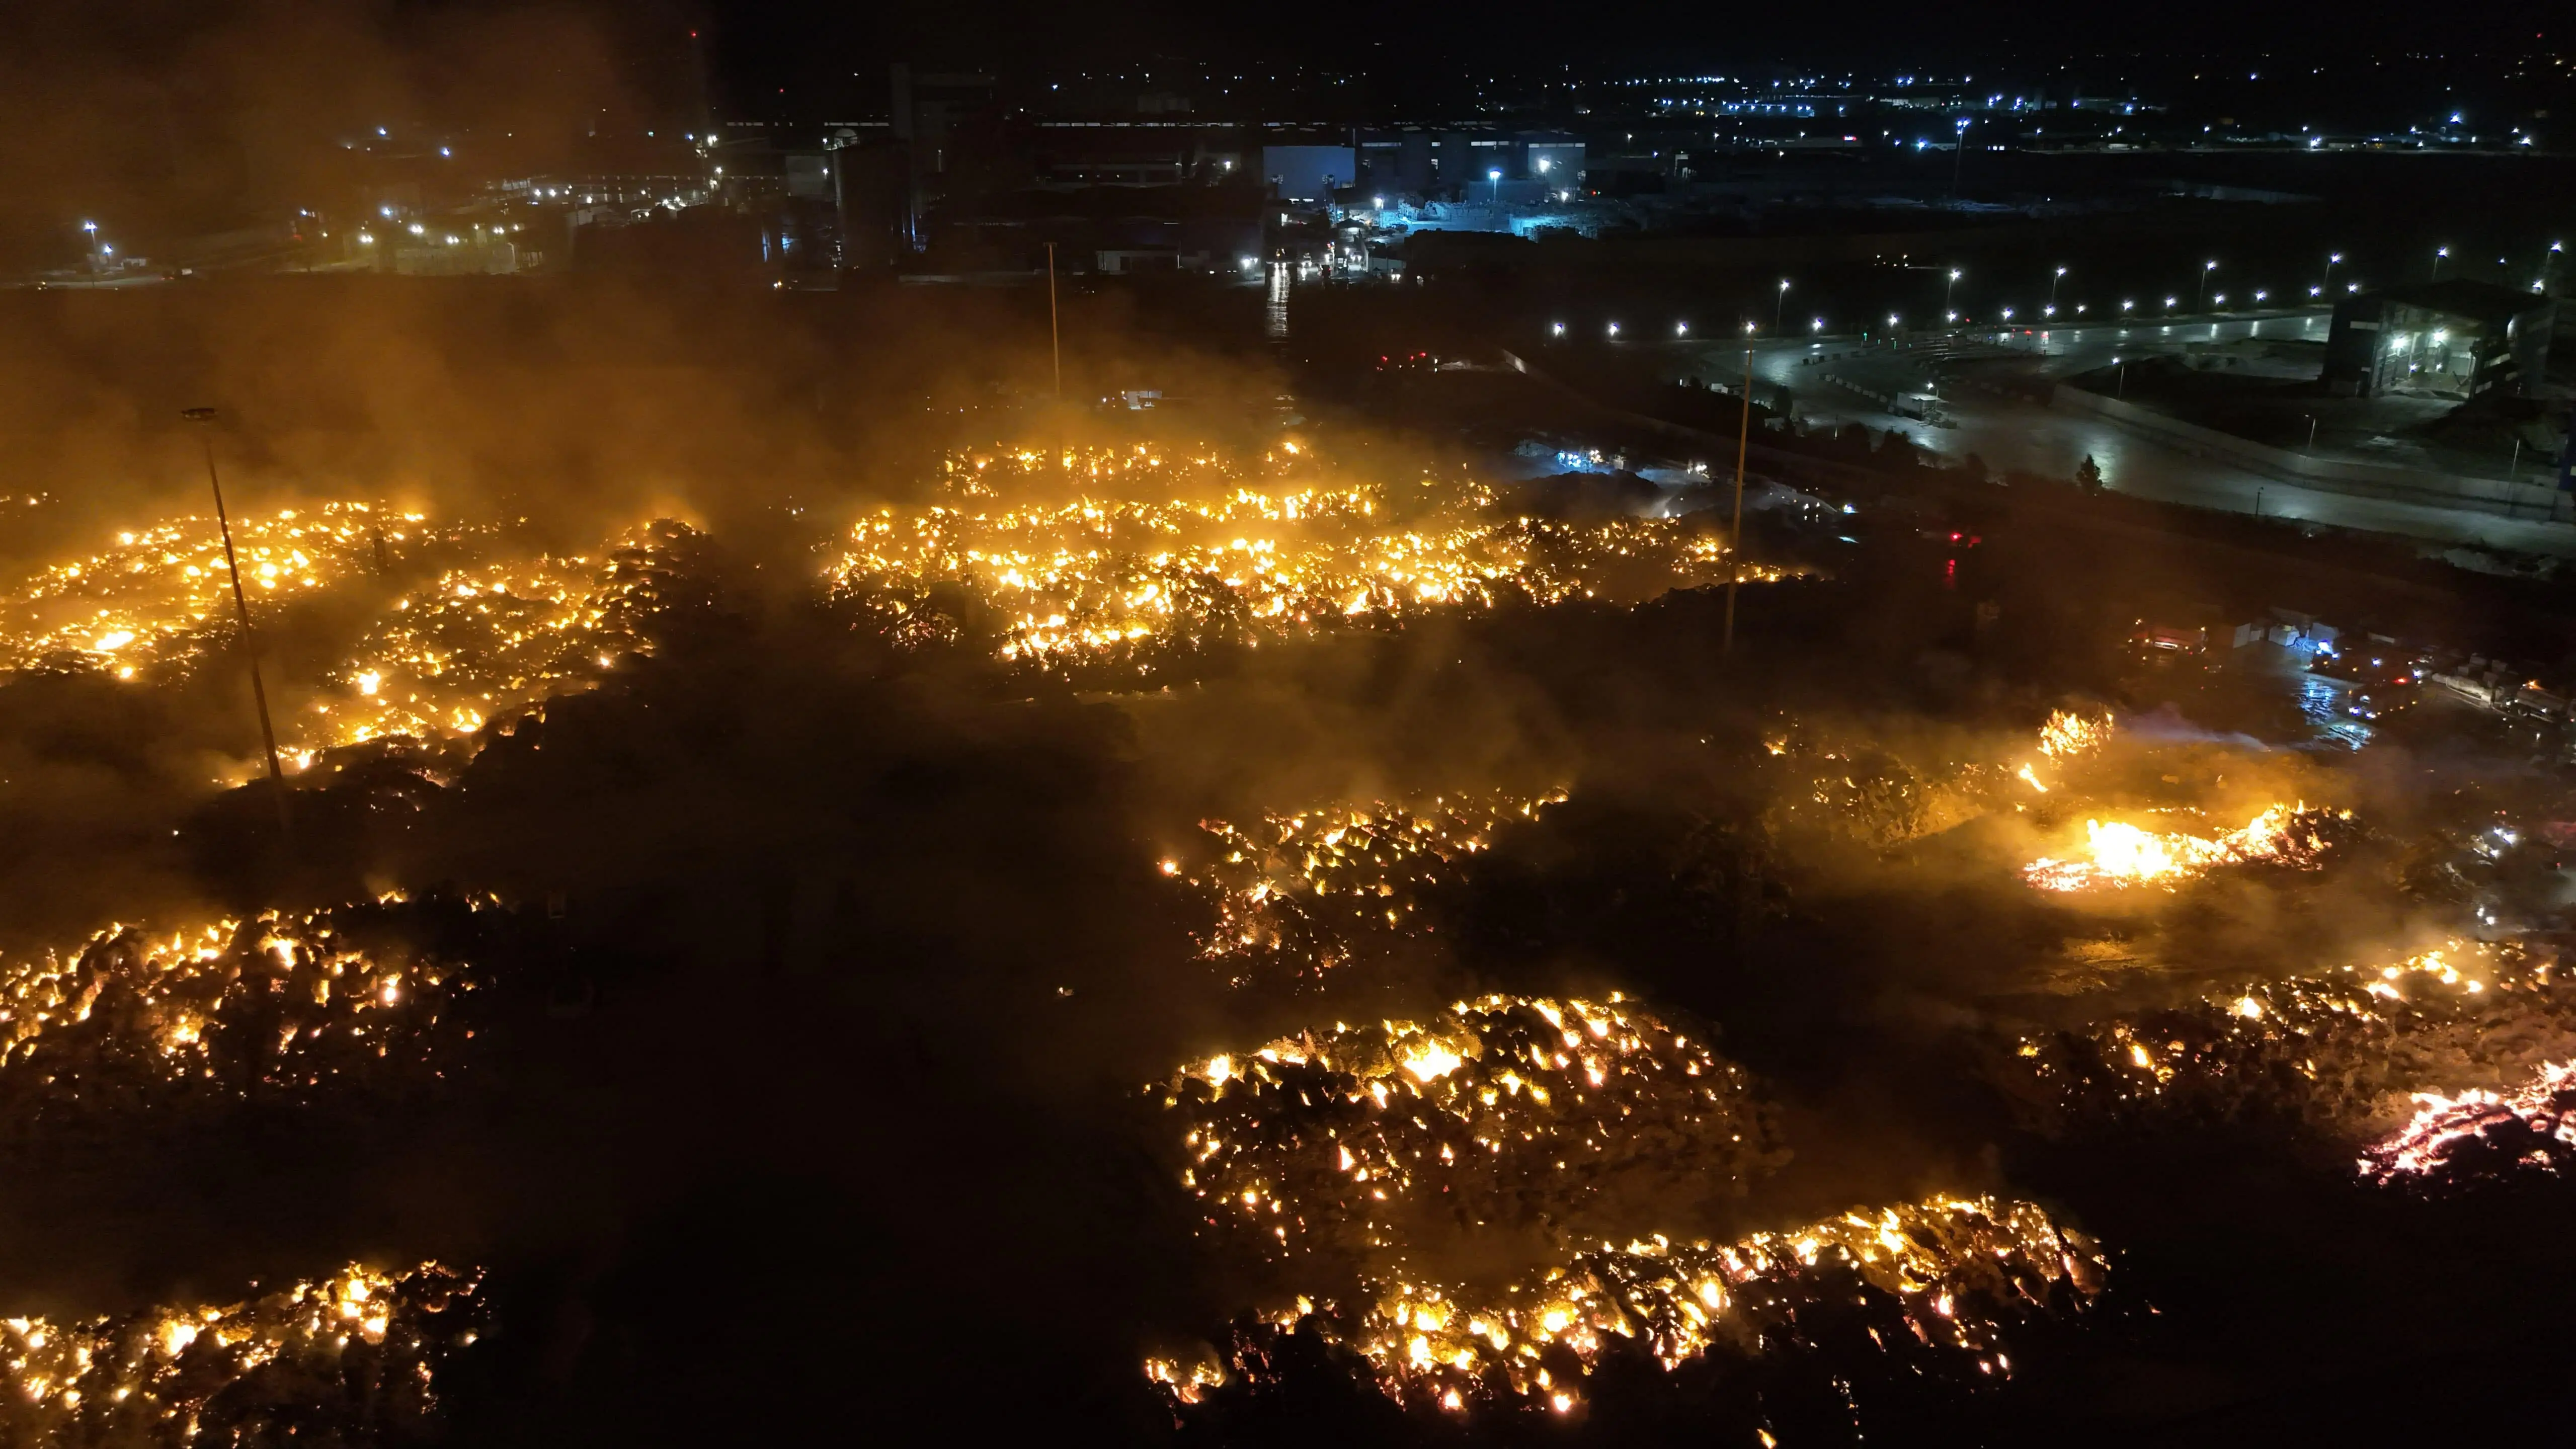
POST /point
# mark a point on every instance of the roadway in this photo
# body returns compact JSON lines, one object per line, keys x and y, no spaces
{"x":2014,"y":435}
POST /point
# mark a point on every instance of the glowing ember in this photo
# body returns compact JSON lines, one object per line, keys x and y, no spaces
{"x":2121,"y":855}
{"x":1139,"y":553}
{"x":1302,"y":888}
{"x":352,"y":1358}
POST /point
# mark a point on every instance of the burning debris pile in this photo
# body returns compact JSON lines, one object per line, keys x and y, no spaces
{"x":1526,"y":1113}
{"x":2340,"y":1053}
{"x":2066,"y":738}
{"x":2118,"y":855}
{"x":1131,"y":553}
{"x":1301,"y":889}
{"x":162,"y":593}
{"x":353,"y":1358}
{"x":1360,"y":1162}
{"x":2481,"y":1133}
{"x":284,"y":1005}
{"x":484,"y":638}
{"x":1939,"y":1285}
{"x":492,"y":629}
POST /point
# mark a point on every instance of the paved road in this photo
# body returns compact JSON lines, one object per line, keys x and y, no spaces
{"x":2010,"y":434}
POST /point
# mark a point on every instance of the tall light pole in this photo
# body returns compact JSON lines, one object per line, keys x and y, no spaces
{"x":1950,"y":289}
{"x":2438,"y":254}
{"x":2052,"y":290}
{"x":2202,"y":303}
{"x":1958,"y":155}
{"x":250,"y":651}
{"x":2333,"y":260}
{"x":1055,"y":335}
{"x":1777,"y":303}
{"x":1735,"y":533}
{"x":1496,"y":176}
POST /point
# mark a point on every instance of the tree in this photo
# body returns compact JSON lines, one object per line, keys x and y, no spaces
{"x":2088,"y":475}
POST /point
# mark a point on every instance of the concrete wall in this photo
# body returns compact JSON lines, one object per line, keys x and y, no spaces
{"x":2533,"y":500}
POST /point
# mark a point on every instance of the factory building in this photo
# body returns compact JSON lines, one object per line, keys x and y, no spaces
{"x":2455,"y":339}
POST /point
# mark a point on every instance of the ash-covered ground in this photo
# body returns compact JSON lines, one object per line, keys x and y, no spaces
{"x":1228,"y":928}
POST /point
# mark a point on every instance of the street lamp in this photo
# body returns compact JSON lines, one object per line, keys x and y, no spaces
{"x":1958,"y":154}
{"x":1816,"y":326}
{"x":2438,"y":254}
{"x":2201,"y":303}
{"x":2170,"y":304}
{"x":2008,"y":314}
{"x":2125,"y":306}
{"x":1496,"y":176}
{"x":2052,"y":288}
{"x":1614,"y":329}
{"x":2333,"y":260}
{"x":1778,"y":302}
{"x":1681,"y":329}
{"x":1558,"y":330}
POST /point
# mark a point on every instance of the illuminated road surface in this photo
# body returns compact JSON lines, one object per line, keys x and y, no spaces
{"x":2012,"y":435}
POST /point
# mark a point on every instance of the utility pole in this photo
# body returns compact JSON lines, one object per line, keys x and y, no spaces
{"x":1055,"y":335}
{"x":1735,"y":535}
{"x":250,"y":649}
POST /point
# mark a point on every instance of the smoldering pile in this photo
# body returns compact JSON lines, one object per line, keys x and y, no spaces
{"x":2349,"y":1058}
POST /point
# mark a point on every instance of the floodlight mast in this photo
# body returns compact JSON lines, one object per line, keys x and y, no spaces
{"x":1735,"y":534}
{"x":241,"y":603}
